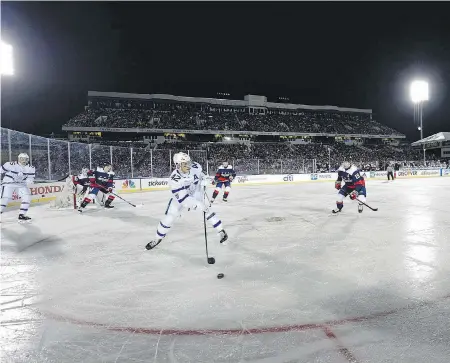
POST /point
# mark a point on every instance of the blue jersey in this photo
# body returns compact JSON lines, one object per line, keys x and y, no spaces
{"x":101,"y":177}
{"x":352,"y":177}
{"x":224,"y":173}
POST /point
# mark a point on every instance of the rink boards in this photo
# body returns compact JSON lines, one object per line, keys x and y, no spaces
{"x":45,"y":192}
{"x":138,"y":185}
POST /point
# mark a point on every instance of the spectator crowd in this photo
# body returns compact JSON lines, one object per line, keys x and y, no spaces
{"x":189,"y":116}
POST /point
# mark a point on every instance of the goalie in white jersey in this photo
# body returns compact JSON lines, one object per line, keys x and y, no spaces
{"x":187,"y":184}
{"x":18,"y":176}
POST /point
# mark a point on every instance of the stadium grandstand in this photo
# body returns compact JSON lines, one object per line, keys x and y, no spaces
{"x":255,"y":135}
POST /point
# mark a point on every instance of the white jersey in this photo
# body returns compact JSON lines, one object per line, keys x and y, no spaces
{"x":82,"y":176}
{"x":184,"y":186}
{"x":17,"y":174}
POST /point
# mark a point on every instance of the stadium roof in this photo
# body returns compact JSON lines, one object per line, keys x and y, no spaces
{"x":440,"y":136}
{"x":250,"y":100}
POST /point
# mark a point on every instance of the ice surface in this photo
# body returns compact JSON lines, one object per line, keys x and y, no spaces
{"x":301,"y":285}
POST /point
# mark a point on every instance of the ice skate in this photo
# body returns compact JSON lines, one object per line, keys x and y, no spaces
{"x":153,"y":244}
{"x":223,"y":236}
{"x":108,"y":204}
{"x":23,"y":218}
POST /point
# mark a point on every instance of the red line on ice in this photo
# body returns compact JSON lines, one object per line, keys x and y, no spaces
{"x":341,"y":348}
{"x":274,"y":329}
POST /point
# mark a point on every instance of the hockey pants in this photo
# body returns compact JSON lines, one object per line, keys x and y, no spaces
{"x":174,"y":211}
{"x":346,"y":191}
{"x":22,"y":190}
{"x":97,"y":194}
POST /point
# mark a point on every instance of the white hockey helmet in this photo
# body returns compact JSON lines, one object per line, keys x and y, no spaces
{"x":23,"y":159}
{"x":106,"y":166}
{"x":225,"y":164}
{"x":346,"y":165}
{"x":182,"y":162}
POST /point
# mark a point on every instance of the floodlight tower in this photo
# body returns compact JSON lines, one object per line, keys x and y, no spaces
{"x":419,"y":94}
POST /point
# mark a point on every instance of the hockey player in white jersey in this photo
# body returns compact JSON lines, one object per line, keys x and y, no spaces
{"x":187,"y":183}
{"x":18,"y":176}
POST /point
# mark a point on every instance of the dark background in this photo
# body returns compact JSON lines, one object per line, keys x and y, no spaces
{"x":360,"y":55}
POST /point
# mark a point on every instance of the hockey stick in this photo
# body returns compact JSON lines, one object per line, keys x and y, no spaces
{"x":53,"y":181}
{"x":211,"y":260}
{"x":368,"y":206}
{"x":209,"y":200}
{"x":118,"y":196}
{"x":123,"y":199}
{"x":42,"y":181}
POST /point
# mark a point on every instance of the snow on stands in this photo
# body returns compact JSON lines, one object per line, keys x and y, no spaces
{"x":300,"y":284}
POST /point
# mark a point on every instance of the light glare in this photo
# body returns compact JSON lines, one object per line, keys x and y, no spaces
{"x":419,"y":91}
{"x":6,"y":57}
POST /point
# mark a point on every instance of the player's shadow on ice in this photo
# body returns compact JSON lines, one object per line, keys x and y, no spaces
{"x":27,"y":238}
{"x":129,"y":217}
{"x":173,"y":248}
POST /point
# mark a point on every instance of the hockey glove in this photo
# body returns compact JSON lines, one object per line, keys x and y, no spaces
{"x":354,"y":195}
{"x":337,"y":185}
{"x":231,"y":178}
{"x":213,"y":182}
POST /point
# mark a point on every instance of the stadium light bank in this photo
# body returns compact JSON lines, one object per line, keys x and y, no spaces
{"x":6,"y":57}
{"x":419,"y":94}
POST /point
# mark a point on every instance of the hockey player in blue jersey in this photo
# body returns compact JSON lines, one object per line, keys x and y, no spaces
{"x":101,"y":180}
{"x":354,"y":186}
{"x":224,"y":176}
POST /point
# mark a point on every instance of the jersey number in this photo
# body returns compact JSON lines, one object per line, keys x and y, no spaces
{"x":176,"y":177}
{"x":195,"y":166}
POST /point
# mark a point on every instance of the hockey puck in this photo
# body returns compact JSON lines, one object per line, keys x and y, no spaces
{"x":220,"y":276}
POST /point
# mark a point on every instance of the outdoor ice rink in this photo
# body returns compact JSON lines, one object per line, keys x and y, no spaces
{"x":301,"y":285}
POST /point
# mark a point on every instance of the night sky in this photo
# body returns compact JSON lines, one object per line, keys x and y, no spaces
{"x":353,"y":54}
